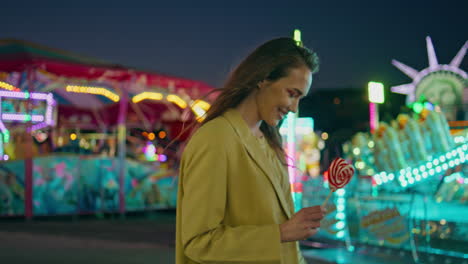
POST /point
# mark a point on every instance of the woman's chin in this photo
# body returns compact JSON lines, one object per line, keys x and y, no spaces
{"x":272,"y":122}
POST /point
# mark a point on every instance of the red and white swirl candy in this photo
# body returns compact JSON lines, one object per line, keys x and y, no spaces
{"x":339,"y":174}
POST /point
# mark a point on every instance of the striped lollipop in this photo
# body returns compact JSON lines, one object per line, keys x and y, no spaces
{"x":339,"y":174}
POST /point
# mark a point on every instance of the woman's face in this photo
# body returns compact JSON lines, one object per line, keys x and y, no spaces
{"x":275,"y":99}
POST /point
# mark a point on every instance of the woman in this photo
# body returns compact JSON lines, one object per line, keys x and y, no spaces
{"x":234,"y":199}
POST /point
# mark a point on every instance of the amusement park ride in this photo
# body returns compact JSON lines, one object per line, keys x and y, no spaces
{"x":410,"y":193}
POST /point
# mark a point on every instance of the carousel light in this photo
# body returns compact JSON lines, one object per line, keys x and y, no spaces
{"x":151,"y":136}
{"x":147,"y":95}
{"x":14,"y":94}
{"x":40,"y":96}
{"x":26,"y":117}
{"x":73,"y":136}
{"x":8,"y":86}
{"x":177,"y":100}
{"x":93,"y":90}
{"x":324,"y":136}
{"x":162,"y":134}
{"x":162,"y":158}
{"x":200,"y":107}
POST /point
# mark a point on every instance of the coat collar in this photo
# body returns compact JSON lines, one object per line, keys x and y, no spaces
{"x":250,"y":142}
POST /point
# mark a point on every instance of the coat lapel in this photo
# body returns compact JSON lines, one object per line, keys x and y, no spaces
{"x":250,"y":143}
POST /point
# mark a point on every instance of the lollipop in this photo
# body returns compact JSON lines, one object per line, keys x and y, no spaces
{"x":339,"y":174}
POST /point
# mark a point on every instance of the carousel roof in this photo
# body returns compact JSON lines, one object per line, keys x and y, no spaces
{"x":82,"y":81}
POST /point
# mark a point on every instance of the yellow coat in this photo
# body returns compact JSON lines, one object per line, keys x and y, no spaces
{"x":233,"y":194}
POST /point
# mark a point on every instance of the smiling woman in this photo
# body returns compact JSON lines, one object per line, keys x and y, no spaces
{"x":234,"y":199}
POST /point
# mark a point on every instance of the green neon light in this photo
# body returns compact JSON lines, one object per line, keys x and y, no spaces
{"x":6,"y":136}
{"x":418,"y":107}
{"x":297,"y":35}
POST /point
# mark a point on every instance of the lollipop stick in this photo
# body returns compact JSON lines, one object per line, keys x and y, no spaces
{"x":326,"y":199}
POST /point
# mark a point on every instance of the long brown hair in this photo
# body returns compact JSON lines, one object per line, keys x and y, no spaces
{"x":270,"y":61}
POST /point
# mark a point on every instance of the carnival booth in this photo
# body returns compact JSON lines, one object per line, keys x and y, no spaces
{"x":84,"y":136}
{"x":409,"y":195}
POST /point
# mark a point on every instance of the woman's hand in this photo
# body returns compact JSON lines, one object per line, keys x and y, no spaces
{"x":303,"y":224}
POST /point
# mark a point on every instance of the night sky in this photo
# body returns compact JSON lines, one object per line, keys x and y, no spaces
{"x":204,"y":40}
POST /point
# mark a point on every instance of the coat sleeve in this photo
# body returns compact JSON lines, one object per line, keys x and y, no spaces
{"x":205,"y":237}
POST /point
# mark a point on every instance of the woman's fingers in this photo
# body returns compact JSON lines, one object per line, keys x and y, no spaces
{"x":314,"y":224}
{"x":314,"y":217}
{"x":311,"y":232}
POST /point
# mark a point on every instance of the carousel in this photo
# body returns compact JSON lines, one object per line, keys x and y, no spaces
{"x":83,"y":136}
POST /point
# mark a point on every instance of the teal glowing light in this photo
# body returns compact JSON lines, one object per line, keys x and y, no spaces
{"x":340,"y":225}
{"x":454,"y":176}
{"x":340,"y":216}
{"x":340,"y":234}
{"x":340,"y":207}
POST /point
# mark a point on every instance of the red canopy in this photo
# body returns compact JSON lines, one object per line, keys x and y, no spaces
{"x":20,"y":56}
